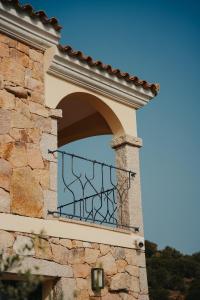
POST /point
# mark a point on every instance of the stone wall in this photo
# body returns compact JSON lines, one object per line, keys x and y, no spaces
{"x":27,"y":129}
{"x":72,"y":260}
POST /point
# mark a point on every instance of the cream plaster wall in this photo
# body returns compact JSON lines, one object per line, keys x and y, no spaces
{"x":56,"y":89}
{"x":69,"y":230}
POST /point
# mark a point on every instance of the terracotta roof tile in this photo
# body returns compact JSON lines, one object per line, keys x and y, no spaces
{"x":34,"y":14}
{"x":154,"y":87}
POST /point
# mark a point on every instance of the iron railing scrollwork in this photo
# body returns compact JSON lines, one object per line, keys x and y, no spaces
{"x":92,"y":191}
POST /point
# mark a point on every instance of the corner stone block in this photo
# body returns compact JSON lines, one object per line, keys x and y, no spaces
{"x":34,"y":84}
{"x":54,"y":127}
{"x":37,"y":71}
{"x":131,"y":257}
{"x":53,"y":176}
{"x":50,"y":201}
{"x":48,"y":142}
{"x":143,"y":281}
{"x":44,"y":124}
{"x":141,"y":260}
{"x":55,"y":113}
{"x":36,"y":55}
{"x":37,"y":97}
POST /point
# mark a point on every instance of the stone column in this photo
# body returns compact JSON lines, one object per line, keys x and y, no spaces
{"x":127,"y":157}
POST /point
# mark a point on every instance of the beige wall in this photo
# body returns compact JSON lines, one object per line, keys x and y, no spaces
{"x":57,"y":89}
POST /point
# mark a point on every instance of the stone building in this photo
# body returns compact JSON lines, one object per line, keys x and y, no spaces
{"x":51,"y":95}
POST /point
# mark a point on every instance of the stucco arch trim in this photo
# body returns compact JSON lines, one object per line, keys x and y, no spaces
{"x":57,"y":89}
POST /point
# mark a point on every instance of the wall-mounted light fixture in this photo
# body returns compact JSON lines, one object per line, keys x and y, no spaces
{"x":97,"y":278}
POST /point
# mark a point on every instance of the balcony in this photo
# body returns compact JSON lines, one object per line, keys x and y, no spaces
{"x":92,"y":191}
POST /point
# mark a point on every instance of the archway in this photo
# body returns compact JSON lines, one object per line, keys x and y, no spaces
{"x":89,"y":189}
{"x":85,"y":115}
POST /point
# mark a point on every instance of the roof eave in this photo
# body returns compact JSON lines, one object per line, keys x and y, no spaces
{"x":79,"y":72}
{"x":154,"y":87}
{"x":35,"y":29}
{"x":21,"y":26}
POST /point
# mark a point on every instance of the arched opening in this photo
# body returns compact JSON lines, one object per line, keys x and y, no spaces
{"x":85,"y":115}
{"x":88,"y":189}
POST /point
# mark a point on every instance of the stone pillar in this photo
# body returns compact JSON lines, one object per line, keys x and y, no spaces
{"x":49,"y":141}
{"x":127,"y":157}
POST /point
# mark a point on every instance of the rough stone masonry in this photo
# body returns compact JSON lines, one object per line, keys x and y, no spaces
{"x":27,"y":130}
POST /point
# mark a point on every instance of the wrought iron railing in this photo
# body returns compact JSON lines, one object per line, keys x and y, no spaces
{"x":91,"y":191}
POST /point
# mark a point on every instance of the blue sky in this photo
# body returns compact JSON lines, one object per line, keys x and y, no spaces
{"x":158,"y":41}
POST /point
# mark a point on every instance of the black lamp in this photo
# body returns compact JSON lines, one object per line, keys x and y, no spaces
{"x":97,"y":277}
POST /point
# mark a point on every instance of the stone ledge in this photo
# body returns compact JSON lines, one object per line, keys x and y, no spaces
{"x":55,"y":113}
{"x":84,"y":223}
{"x":68,"y":230}
{"x":126,"y":140}
{"x":44,"y":268}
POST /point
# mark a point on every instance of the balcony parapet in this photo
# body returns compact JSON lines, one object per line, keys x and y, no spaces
{"x":92,"y":191}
